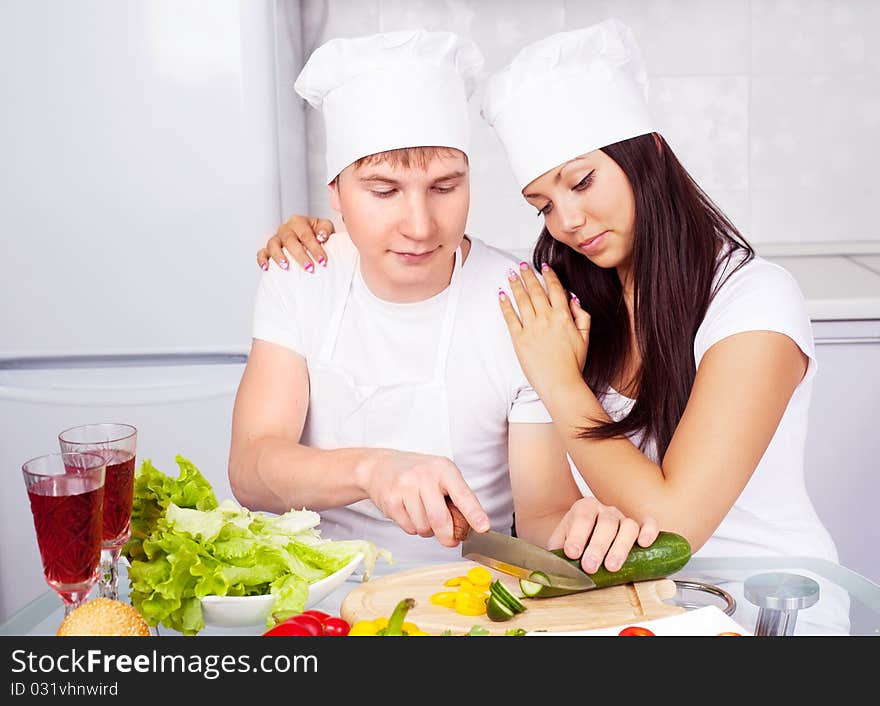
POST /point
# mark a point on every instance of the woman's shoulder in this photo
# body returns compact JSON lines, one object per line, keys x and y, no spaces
{"x":745,"y":281}
{"x":754,"y":295}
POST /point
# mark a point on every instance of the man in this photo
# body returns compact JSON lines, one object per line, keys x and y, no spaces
{"x":388,"y":383}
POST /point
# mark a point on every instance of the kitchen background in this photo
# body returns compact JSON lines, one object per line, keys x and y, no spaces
{"x":150,"y":146}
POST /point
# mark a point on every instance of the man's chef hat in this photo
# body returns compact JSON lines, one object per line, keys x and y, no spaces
{"x":567,"y":95}
{"x":389,"y":91}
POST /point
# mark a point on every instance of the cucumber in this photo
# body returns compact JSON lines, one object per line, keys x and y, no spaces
{"x":538,"y":585}
{"x":669,"y":553}
{"x":504,"y":596}
{"x":497,"y":611}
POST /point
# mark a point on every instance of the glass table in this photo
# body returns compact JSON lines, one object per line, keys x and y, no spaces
{"x":770,"y":595}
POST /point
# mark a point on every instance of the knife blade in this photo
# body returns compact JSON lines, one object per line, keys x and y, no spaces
{"x":514,"y":556}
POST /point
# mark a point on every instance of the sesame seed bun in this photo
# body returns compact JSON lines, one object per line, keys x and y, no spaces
{"x":103,"y":616}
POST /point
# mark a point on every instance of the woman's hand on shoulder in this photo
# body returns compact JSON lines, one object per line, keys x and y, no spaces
{"x":302,"y":238}
{"x":550,"y":332}
{"x":596,"y":533}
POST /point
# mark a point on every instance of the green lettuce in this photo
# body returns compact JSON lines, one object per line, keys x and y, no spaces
{"x":185,"y":546}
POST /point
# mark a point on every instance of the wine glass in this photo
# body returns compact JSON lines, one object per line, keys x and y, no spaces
{"x":117,"y":444}
{"x":66,"y":492}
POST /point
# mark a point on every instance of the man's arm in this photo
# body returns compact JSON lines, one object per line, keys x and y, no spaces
{"x":541,"y":480}
{"x":268,"y":468}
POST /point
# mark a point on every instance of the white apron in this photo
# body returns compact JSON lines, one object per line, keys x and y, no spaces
{"x":408,"y":416}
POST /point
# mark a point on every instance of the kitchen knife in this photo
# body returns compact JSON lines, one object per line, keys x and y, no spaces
{"x":515,"y":557}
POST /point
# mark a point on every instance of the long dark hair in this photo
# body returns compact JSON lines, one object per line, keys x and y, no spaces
{"x":679,"y":234}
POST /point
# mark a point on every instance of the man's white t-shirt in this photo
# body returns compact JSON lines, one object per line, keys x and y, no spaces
{"x":382,"y":343}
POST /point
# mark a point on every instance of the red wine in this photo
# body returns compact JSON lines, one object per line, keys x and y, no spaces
{"x":118,"y":495}
{"x":68,"y":529}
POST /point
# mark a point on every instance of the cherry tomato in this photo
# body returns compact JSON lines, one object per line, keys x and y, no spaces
{"x":336,"y":627}
{"x":635,"y":631}
{"x":319,"y":614}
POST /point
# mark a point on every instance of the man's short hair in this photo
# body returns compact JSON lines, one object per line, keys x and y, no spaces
{"x":407,"y":157}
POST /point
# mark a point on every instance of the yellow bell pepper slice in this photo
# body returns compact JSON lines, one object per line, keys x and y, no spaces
{"x":444,"y":598}
{"x":479,"y":576}
{"x":454,"y":581}
{"x":469,"y":604}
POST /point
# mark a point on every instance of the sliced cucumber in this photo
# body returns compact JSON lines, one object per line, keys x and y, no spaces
{"x":497,"y":611}
{"x":538,"y":585}
{"x":501,"y":592}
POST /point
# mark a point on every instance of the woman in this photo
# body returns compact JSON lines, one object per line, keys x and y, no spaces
{"x":679,"y":370}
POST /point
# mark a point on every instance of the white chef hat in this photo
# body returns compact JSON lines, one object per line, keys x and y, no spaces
{"x":389,"y":91}
{"x":566,"y":95}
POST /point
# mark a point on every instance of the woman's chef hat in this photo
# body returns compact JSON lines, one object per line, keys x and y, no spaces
{"x":388,"y":91}
{"x":567,"y":95}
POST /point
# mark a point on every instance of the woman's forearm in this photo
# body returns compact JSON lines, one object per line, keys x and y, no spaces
{"x":617,"y":472}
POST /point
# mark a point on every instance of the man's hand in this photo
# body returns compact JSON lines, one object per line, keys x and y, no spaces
{"x":411,"y":489}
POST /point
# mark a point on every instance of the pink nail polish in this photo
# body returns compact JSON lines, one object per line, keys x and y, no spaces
{"x":524,"y":265}
{"x":512,"y":275}
{"x":502,"y":295}
{"x":322,"y":261}
{"x":310,"y":268}
{"x":544,"y":266}
{"x":284,"y":264}
{"x":264,"y":267}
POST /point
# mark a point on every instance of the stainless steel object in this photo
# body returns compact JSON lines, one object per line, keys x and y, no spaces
{"x":517,"y":557}
{"x":779,"y":597}
{"x":729,"y":601}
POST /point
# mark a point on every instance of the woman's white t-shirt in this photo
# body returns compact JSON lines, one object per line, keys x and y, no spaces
{"x":773,"y":515}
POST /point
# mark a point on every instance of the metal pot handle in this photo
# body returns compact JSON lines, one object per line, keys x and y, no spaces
{"x":730,"y":607}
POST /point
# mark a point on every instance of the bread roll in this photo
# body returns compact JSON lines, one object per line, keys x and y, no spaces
{"x":103,"y":616}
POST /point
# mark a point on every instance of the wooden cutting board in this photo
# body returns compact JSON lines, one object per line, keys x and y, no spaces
{"x":602,"y":607}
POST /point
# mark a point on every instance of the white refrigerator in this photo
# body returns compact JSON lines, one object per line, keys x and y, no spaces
{"x":139,"y":143}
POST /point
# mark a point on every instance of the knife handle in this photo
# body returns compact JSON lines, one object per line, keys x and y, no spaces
{"x":460,"y":526}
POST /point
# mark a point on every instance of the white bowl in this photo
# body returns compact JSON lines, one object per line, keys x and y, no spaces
{"x":246,"y":611}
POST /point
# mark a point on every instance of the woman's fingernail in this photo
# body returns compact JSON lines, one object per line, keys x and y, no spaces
{"x":612,"y":564}
{"x":591,"y":562}
{"x":501,"y":295}
{"x":575,"y":298}
{"x":524,"y":265}
{"x":512,"y":275}
{"x":264,"y":266}
{"x":283,"y":264}
{"x":310,"y":268}
{"x":544,"y":266}
{"x":322,"y":261}
{"x":321,"y":236}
